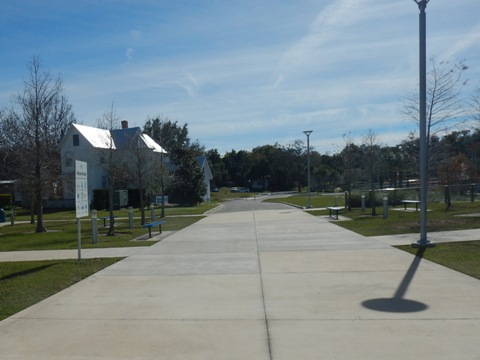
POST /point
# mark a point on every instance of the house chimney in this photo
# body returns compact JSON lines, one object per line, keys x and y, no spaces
{"x":124,"y":124}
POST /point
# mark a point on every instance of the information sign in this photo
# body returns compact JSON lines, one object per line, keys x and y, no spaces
{"x":81,"y":188}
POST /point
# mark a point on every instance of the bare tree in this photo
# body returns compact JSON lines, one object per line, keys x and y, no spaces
{"x":349,"y":155}
{"x":35,"y":123}
{"x":110,"y":160}
{"x":371,"y":147}
{"x":145,"y":169}
{"x":475,"y":110}
{"x":444,"y":98}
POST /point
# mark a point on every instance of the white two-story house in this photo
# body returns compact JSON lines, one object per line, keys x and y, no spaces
{"x":92,"y":145}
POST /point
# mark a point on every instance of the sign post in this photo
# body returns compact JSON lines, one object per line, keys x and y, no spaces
{"x":81,"y":199}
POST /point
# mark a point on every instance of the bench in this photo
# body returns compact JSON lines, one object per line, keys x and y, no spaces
{"x":152,"y":224}
{"x":104,"y":218}
{"x":416,"y":202}
{"x":337,"y":209}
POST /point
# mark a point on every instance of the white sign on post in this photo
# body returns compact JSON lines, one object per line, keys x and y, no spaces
{"x":81,"y":199}
{"x":81,"y":189}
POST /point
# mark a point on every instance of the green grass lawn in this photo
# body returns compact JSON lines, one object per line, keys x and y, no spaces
{"x":62,"y":228}
{"x":317,"y":200}
{"x":63,"y":234}
{"x":460,"y":256}
{"x":25,"y":283}
{"x":170,"y":210}
{"x":461,"y":216}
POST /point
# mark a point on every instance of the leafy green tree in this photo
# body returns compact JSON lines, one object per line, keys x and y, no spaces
{"x":216,"y":166}
{"x":237,"y":166}
{"x":172,"y":137}
{"x":187,"y":187}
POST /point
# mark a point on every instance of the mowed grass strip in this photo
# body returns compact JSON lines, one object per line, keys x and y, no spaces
{"x":461,"y":216}
{"x":63,"y":234}
{"x":316,"y":200}
{"x":463,"y":256}
{"x":25,"y":283}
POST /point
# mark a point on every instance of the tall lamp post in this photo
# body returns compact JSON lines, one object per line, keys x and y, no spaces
{"x":423,"y":242}
{"x":308,"y":132}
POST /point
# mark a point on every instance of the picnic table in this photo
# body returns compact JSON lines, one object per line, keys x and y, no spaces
{"x":416,"y":202}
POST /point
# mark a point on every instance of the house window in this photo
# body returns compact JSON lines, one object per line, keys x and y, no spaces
{"x":76,"y":140}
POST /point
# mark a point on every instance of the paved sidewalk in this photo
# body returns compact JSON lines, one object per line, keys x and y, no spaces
{"x":435,"y":237}
{"x":85,"y":253}
{"x":276,"y":284}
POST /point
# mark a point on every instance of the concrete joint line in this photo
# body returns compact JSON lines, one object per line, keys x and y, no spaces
{"x":262,"y":289}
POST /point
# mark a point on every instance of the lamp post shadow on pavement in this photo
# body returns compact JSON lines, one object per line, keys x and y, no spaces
{"x":397,"y":303}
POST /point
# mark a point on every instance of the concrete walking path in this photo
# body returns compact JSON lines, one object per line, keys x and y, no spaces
{"x":266,"y":284}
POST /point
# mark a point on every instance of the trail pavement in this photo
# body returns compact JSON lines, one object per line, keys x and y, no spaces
{"x":256,"y":284}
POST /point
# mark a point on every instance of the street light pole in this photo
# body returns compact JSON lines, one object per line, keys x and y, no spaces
{"x":308,"y":132}
{"x":423,"y":242}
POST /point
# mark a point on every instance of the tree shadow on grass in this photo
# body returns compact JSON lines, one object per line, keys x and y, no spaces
{"x":397,"y":303}
{"x":25,"y":272}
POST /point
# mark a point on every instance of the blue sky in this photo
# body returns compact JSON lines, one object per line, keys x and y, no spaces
{"x":241,"y":73}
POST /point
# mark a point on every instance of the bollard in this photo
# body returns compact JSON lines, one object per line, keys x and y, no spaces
{"x":385,"y":206}
{"x":12,"y":217}
{"x":363,"y":203}
{"x":130,"y":217}
{"x":152,"y":212}
{"x":94,"y":227}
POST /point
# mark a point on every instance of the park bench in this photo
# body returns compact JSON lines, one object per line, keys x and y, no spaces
{"x":105,"y":218}
{"x":416,"y":202}
{"x":152,"y":224}
{"x":337,"y":209}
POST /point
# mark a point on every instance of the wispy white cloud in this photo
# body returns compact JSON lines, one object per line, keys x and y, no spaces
{"x":248,"y":73}
{"x":460,"y":45}
{"x":129,"y":53}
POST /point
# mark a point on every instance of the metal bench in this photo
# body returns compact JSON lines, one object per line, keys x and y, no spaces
{"x":337,"y":209}
{"x":152,"y":224}
{"x":416,"y":202}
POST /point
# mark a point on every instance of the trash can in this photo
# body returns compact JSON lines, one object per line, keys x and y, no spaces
{"x":2,"y":215}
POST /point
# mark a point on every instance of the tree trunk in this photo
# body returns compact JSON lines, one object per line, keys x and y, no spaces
{"x":111,"y":228}
{"x":38,"y":204}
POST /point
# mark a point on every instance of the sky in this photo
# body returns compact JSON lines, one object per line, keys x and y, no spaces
{"x":240,"y":73}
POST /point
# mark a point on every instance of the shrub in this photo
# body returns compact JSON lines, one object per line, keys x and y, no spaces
{"x":5,"y":200}
{"x":100,"y":199}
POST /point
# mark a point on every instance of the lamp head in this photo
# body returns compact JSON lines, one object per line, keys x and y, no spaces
{"x":308,"y":132}
{"x":422,"y":4}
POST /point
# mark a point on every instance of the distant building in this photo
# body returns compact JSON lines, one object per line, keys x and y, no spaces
{"x":92,"y":145}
